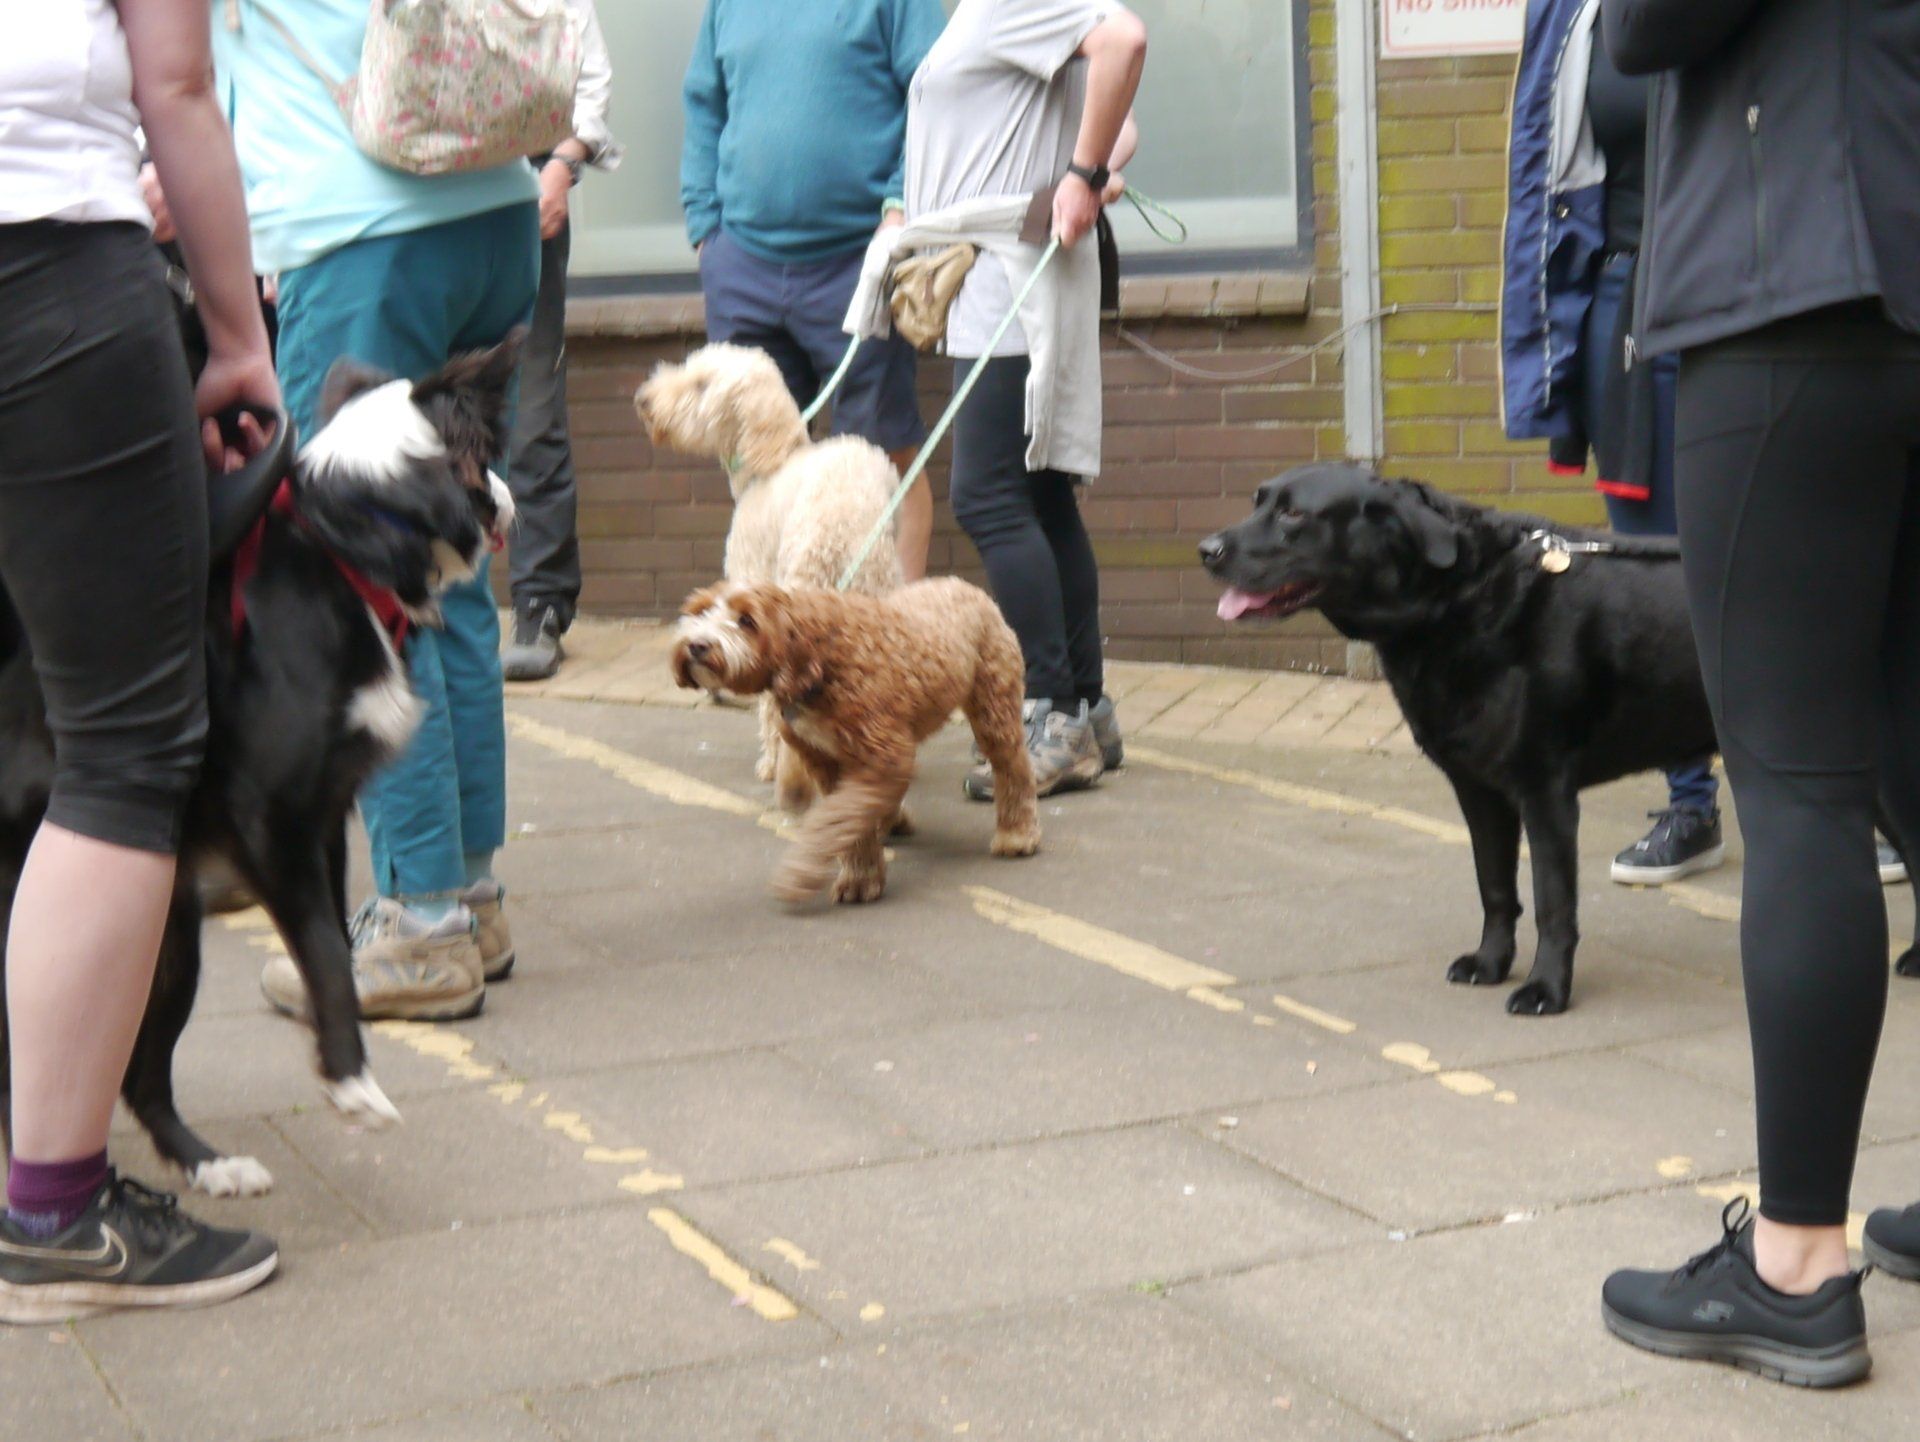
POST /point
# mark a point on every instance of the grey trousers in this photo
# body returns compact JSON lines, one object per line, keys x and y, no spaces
{"x":544,"y":557}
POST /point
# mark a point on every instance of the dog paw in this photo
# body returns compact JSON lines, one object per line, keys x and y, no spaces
{"x":359,"y":1099}
{"x":763,"y":769}
{"x":1472,"y":970}
{"x":231,"y":1177}
{"x":1909,"y":962}
{"x":856,"y":888}
{"x":1016,"y":843}
{"x":1536,"y":998}
{"x":903,"y":824}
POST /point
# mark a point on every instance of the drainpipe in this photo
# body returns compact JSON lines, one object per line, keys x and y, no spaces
{"x":1358,"y":177}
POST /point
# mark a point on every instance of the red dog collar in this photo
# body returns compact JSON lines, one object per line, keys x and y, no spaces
{"x":381,"y":600}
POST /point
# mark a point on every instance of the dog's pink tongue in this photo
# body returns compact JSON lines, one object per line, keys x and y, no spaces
{"x":1235,"y":603}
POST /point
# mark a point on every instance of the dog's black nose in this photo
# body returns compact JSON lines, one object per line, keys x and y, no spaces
{"x":697,"y":650}
{"x":1213,"y":550}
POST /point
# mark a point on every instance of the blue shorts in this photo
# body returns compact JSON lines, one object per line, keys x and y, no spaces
{"x":794,"y":314}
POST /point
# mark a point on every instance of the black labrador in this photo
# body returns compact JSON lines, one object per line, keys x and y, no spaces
{"x":1528,"y":667}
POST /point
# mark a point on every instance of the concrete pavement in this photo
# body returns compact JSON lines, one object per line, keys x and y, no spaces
{"x":1171,"y":1132}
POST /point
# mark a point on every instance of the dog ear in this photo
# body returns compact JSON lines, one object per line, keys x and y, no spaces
{"x":466,"y":399}
{"x":347,"y":378}
{"x":1437,"y":536}
{"x":765,"y":422}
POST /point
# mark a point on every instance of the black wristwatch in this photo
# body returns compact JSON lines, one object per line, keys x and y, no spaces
{"x":1096,"y":176}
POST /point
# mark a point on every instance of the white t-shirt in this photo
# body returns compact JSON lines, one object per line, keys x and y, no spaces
{"x":67,"y":122}
{"x":994,"y":110}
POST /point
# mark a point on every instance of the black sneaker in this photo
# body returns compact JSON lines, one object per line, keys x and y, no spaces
{"x":1716,"y":1309}
{"x":132,"y":1247}
{"x":1891,"y":1241}
{"x":533,"y":654}
{"x":1682,"y":842}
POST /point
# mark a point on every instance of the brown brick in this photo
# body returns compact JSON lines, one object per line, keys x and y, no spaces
{"x":1292,"y":404}
{"x":692,"y":520}
{"x":609,"y":521}
{"x":1244,"y":442}
{"x":1161,"y":407}
{"x":1105,"y":514}
{"x":1161,"y":478}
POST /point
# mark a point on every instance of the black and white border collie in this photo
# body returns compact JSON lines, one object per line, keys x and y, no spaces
{"x":391,"y":502}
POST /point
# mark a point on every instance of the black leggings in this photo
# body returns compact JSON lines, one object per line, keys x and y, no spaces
{"x":1798,"y":469}
{"x":1026,"y":526}
{"x":103,"y":523}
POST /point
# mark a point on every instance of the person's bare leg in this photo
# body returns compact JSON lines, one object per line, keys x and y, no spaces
{"x":915,"y":520}
{"x":86,"y":929}
{"x":1797,"y":1260}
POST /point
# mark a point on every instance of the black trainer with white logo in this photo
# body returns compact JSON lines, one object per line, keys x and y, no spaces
{"x":1891,"y":1241}
{"x":1716,"y":1309}
{"x":1683,"y":841}
{"x":132,"y":1247}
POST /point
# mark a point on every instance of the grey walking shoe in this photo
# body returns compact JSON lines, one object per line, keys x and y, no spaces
{"x":486,"y":900}
{"x":1065,"y":755}
{"x":404,"y":968}
{"x":1106,"y":732}
{"x":1893,"y":866}
{"x":533,"y":653}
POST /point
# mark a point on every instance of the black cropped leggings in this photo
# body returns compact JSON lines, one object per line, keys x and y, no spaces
{"x":103,"y":523}
{"x":1027,"y":527}
{"x":1798,"y":472}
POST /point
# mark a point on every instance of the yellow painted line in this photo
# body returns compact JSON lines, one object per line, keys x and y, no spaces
{"x":872,"y":1312}
{"x":437,"y":1044}
{"x":252,"y":919}
{"x":649,"y":776}
{"x":569,"y":1125}
{"x":1095,"y":943}
{"x":1207,"y":996}
{"x":1411,"y":1054}
{"x":649,"y":1183}
{"x":508,"y":1092}
{"x":1338,"y":1025}
{"x":613,"y":1156}
{"x":1710,"y":904}
{"x":690,"y":1242}
{"x":1314,"y":798}
{"x":1674,"y":1168}
{"x":788,"y":1252}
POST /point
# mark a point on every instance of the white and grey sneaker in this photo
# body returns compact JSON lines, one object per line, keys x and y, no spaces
{"x":1893,"y":866}
{"x":1065,"y":755}
{"x":404,"y":968}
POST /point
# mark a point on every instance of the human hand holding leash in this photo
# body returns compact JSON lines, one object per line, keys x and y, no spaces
{"x":243,"y":378}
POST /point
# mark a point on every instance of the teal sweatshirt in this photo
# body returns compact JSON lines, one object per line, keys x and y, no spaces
{"x":796,"y":117}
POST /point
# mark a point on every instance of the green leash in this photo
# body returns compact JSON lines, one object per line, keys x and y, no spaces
{"x":1145,"y":204}
{"x":946,"y":419}
{"x":1142,"y":203}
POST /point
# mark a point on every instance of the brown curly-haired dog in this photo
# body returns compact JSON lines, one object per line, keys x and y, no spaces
{"x":860,"y":682}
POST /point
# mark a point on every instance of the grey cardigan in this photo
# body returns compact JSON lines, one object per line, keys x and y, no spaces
{"x":1783,"y":165}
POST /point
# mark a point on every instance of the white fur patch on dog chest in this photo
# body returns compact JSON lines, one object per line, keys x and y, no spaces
{"x":386,"y":709}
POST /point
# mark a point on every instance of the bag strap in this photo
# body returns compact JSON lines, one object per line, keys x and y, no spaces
{"x":300,"y":51}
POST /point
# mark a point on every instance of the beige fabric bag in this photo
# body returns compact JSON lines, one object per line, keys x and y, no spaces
{"x":922,"y":289}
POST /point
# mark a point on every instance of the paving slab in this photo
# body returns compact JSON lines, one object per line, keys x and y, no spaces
{"x":1423,"y":1156}
{"x":1463,"y":1332}
{"x":51,"y":1390}
{"x":1716,"y":1410}
{"x":390,"y":1329}
{"x":1037,"y":1074}
{"x":1019,"y":1224}
{"x":1616,"y":1001}
{"x":1110,"y":1370}
{"x":505,"y":1422}
{"x":576,"y":1021}
{"x":745,"y":1116}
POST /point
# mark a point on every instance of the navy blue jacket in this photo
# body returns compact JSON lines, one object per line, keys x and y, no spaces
{"x":1556,"y":209}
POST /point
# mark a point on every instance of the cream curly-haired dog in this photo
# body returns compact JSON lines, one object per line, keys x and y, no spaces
{"x":801,"y":511}
{"x":858,"y":683}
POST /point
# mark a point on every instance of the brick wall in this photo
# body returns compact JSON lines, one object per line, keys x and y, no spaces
{"x":1182,"y":455}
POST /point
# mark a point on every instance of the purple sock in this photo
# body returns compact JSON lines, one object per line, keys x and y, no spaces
{"x":44,"y":1198}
